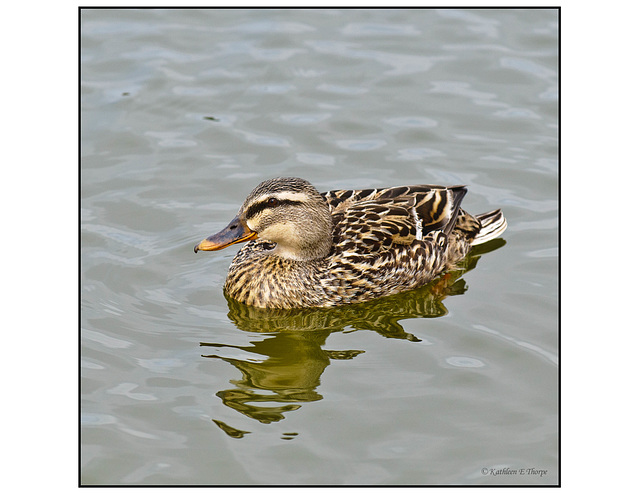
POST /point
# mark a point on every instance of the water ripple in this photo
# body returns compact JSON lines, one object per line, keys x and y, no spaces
{"x":361,"y":144}
{"x":378,"y":30}
{"x":552,"y":357}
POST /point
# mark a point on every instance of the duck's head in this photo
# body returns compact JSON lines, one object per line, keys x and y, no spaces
{"x":287,"y":211}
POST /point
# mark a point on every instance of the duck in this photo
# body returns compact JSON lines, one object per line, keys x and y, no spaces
{"x":309,"y":249}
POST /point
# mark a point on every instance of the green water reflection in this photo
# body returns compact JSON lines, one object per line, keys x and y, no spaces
{"x":282,"y":370}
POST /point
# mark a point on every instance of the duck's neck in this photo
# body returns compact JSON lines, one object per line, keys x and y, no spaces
{"x":312,"y":249}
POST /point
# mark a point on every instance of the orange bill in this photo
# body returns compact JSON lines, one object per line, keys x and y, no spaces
{"x":233,"y":233}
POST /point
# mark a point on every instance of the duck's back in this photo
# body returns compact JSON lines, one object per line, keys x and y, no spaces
{"x":394,"y":216}
{"x":395,"y":239}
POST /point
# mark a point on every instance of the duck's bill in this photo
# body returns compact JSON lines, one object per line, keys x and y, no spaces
{"x":233,"y":233}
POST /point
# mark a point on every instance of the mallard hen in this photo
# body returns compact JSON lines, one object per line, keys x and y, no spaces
{"x":311,"y":249}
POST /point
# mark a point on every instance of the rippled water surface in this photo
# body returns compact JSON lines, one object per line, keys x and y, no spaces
{"x":183,"y":112}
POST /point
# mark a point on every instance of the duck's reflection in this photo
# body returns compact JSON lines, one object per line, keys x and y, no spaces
{"x":283,"y":369}
{"x":278,"y":373}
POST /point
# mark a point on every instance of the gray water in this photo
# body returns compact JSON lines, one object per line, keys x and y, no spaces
{"x":183,"y":112}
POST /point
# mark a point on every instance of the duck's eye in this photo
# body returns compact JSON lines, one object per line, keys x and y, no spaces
{"x":273,"y":202}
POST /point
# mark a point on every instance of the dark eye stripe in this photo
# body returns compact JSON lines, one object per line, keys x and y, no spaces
{"x":256,"y":208}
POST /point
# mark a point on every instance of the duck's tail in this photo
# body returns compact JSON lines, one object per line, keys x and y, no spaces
{"x":493,"y":225}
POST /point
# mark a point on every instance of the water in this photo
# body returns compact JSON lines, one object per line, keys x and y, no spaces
{"x":183,"y":112}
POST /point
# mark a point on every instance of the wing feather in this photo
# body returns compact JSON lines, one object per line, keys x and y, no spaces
{"x":381,"y":218}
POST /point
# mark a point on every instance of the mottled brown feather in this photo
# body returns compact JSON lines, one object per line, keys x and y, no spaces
{"x":383,"y":241}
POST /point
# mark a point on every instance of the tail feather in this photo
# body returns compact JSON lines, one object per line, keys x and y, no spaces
{"x":493,"y":225}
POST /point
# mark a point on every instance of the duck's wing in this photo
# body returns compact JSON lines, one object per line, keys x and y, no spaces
{"x":380,"y":218}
